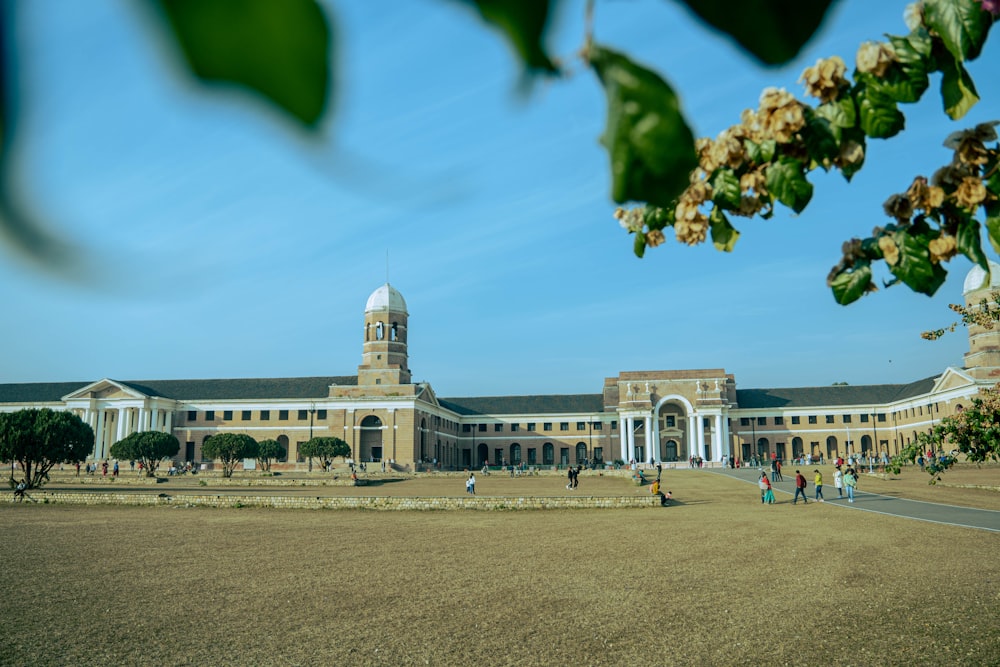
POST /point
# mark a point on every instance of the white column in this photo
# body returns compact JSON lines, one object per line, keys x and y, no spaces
{"x":648,"y":422}
{"x":622,"y":425}
{"x":99,"y":435}
{"x":120,"y":425}
{"x":656,"y":437}
{"x":726,"y":440}
{"x":701,"y":435}
{"x":717,"y":438}
{"x":631,"y":438}
{"x":169,"y":422}
{"x":154,"y":419}
{"x":692,"y":435}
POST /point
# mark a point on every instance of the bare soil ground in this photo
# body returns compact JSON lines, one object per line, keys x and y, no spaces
{"x":718,"y":579}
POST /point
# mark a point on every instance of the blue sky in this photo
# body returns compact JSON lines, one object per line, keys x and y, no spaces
{"x":225,"y":245}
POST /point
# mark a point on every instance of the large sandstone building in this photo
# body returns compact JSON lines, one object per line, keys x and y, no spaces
{"x":646,"y":416}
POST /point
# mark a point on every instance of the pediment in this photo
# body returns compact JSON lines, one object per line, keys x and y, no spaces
{"x":952,"y":378}
{"x":105,"y":389}
{"x":427,"y":395}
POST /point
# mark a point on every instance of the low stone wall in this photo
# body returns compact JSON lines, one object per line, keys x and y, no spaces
{"x":390,"y":503}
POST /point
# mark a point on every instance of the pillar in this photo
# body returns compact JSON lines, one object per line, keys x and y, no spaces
{"x":692,"y":444}
{"x":648,"y":423}
{"x":700,"y":425}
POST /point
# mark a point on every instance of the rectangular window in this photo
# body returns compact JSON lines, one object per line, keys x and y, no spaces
{"x":532,"y":456}
{"x":303,"y":415}
{"x":598,"y":453}
{"x":283,"y":415}
{"x":597,"y":425}
{"x":547,"y":426}
{"x":779,"y":421}
{"x":761,"y":421}
{"x":498,"y":458}
{"x":581,"y":426}
{"x":192,"y":415}
{"x":245,"y":415}
{"x":481,"y":428}
{"x":498,"y":428}
{"x":670,"y":421}
{"x":744,"y":421}
{"x":614,"y":425}
{"x":514,"y":428}
{"x":466,"y":428}
{"x":706,"y":422}
{"x":795,"y":419}
{"x":265,"y":415}
{"x":829,"y":419}
{"x":563,"y":426}
{"x":321,"y":414}
{"x":881,"y":416}
{"x":847,"y":419}
{"x":864,"y":419}
{"x":531,"y":426}
{"x":227,"y":415}
{"x":812,"y":419}
{"x":210,"y":415}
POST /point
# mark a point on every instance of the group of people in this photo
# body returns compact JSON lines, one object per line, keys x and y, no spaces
{"x":573,"y":475}
{"x":847,"y":479}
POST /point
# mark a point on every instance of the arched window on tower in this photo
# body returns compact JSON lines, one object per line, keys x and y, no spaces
{"x":395,"y":332}
{"x":368,"y":332}
{"x":379,"y":332}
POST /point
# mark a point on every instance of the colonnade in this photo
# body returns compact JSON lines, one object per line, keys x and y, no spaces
{"x":719,"y":431}
{"x":112,"y":424}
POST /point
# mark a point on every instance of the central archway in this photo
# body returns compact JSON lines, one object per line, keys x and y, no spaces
{"x":370,"y":448}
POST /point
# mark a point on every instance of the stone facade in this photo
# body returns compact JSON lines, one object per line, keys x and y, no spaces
{"x":646,"y":416}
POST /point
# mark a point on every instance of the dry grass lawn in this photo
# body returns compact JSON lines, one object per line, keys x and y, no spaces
{"x":717,"y":580}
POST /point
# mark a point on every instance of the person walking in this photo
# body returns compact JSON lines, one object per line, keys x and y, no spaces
{"x":766,"y":493}
{"x":818,"y":483}
{"x":838,"y":482}
{"x":777,"y":471}
{"x":472,"y":483}
{"x":800,"y":488}
{"x":850,"y":481}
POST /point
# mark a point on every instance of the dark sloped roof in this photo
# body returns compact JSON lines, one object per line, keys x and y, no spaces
{"x":38,"y":392}
{"x":519,"y":405}
{"x":235,"y":389}
{"x":834,"y":395}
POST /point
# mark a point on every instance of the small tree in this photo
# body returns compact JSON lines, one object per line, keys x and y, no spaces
{"x":230,"y":448}
{"x":150,"y":447}
{"x":974,"y":432}
{"x":267,"y":451}
{"x":40,"y":438}
{"x":325,"y":449}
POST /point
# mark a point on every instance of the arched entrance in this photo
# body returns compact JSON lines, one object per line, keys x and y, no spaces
{"x":670,"y":450}
{"x":672,"y":441}
{"x":482,"y":454}
{"x":796,"y":447}
{"x":831,"y":447}
{"x":370,"y":448}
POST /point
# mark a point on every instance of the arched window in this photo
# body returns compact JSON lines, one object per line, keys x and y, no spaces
{"x":831,"y":447}
{"x":371,"y":421}
{"x":423,"y":435}
{"x":763,"y":447}
{"x":866,"y":444}
{"x":548,"y":454}
{"x":515,"y":454}
{"x":796,"y":447}
{"x":581,"y":452}
{"x":283,"y":441}
{"x":394,"y":334}
{"x":379,"y":331}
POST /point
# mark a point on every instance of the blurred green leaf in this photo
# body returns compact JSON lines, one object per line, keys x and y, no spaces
{"x":820,"y":140}
{"x":958,"y":92}
{"x":993,"y":225}
{"x":962,"y":25}
{"x":906,"y":79}
{"x":279,"y":49}
{"x":639,"y":245}
{"x":786,"y":180}
{"x":915,"y":268}
{"x":523,"y":22}
{"x":762,"y":152}
{"x":849,"y":286}
{"x":650,"y":145}
{"x":774,"y":31}
{"x":879,"y":115}
{"x":840,"y":113}
{"x":724,"y":235}
{"x":970,"y":243}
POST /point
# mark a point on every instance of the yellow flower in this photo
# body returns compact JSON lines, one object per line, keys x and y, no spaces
{"x":970,"y":193}
{"x":825,"y":78}
{"x":898,"y":206}
{"x":851,"y":153}
{"x":924,"y":197}
{"x":890,"y":251}
{"x":690,"y":224}
{"x":654,"y":238}
{"x":875,"y":58}
{"x":942,"y":248}
{"x":780,"y":115}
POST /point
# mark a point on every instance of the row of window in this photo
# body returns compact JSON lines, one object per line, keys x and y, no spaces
{"x":530,"y":426}
{"x":813,"y":419}
{"x":262,"y":415}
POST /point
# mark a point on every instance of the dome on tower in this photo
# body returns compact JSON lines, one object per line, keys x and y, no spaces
{"x":976,"y":278}
{"x":388,"y":297}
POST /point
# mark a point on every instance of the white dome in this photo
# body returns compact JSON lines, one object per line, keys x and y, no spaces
{"x":388,"y":297}
{"x":976,"y":278}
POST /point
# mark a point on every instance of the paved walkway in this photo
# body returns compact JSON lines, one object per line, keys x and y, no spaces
{"x":952,"y":515}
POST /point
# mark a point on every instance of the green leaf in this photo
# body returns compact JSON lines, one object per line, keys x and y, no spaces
{"x":726,"y":188}
{"x":762,"y":152}
{"x":279,"y":50}
{"x":639,"y":245}
{"x":650,"y":145}
{"x":915,"y":267}
{"x":724,"y":235}
{"x":970,"y":242}
{"x":880,"y":118}
{"x":850,"y":285}
{"x":840,"y":113}
{"x":787,"y":182}
{"x":772,"y":30}
{"x":993,"y":227}
{"x":958,"y":92}
{"x":962,"y":25}
{"x":906,"y":79}
{"x":523,"y":23}
{"x":820,"y":141}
